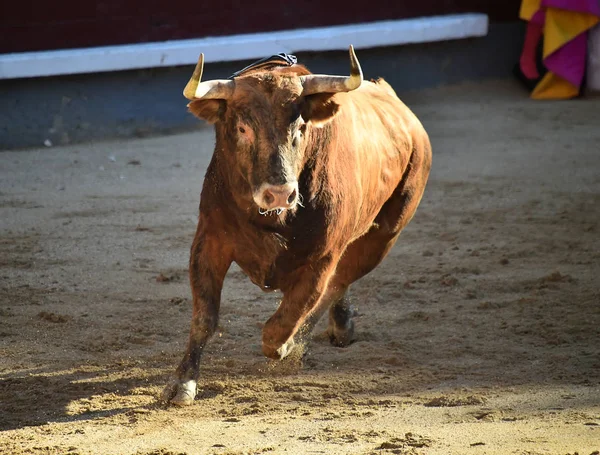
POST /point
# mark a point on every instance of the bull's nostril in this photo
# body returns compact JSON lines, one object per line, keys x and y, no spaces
{"x":268,"y":197}
{"x":292,"y":197}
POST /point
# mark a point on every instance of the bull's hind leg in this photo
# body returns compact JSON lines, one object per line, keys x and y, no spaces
{"x":341,"y":325}
{"x":359,"y":259}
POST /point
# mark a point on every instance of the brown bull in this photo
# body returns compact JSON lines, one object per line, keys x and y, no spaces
{"x":311,"y":181}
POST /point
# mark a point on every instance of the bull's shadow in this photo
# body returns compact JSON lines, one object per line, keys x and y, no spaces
{"x":44,"y":396}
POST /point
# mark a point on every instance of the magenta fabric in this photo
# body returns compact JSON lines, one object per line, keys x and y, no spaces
{"x":568,"y":62}
{"x":582,"y":6}
{"x":539,"y":17}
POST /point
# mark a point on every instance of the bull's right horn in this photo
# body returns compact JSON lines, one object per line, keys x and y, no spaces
{"x":215,"y":89}
{"x":320,"y":83}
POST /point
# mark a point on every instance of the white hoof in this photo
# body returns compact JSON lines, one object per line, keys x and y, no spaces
{"x":286,"y":348}
{"x":180,"y":393}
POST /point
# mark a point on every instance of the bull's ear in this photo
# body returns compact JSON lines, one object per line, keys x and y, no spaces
{"x":210,"y":110}
{"x":319,"y":109}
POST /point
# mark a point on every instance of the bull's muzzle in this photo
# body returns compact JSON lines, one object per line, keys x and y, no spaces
{"x":276,"y":197}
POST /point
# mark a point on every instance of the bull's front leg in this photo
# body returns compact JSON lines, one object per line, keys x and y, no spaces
{"x":301,"y":300}
{"x":209,"y":262}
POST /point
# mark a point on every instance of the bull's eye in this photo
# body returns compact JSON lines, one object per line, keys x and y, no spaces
{"x":245,"y":134}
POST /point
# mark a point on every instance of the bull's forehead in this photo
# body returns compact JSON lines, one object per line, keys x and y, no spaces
{"x":273,"y":88}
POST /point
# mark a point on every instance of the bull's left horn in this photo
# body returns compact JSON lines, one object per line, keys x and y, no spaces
{"x":215,"y":89}
{"x":320,"y":83}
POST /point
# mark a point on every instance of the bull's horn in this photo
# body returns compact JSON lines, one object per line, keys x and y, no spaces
{"x":216,"y":89}
{"x":319,"y":83}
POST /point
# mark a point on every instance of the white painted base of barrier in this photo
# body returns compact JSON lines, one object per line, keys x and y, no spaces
{"x":242,"y":47}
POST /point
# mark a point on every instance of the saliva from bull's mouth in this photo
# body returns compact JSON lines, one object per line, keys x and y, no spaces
{"x":278,"y":210}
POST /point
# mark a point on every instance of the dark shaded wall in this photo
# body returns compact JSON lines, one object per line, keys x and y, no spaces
{"x":61,"y":24}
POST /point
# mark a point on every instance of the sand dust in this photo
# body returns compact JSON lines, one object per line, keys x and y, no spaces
{"x":479,"y":334}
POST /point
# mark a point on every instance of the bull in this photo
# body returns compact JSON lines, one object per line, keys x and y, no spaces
{"x":312,"y":179}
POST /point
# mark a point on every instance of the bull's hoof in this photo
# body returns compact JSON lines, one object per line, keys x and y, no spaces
{"x":341,"y":336}
{"x":286,"y":348}
{"x":278,"y":353}
{"x":179,"y":393}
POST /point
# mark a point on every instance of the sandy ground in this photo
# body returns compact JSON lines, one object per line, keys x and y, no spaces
{"x":479,"y":334}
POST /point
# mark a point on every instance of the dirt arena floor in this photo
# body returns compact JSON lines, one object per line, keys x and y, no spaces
{"x":479,"y":334}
